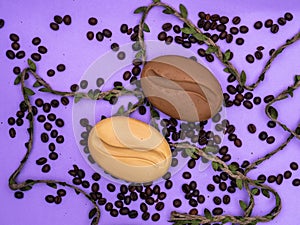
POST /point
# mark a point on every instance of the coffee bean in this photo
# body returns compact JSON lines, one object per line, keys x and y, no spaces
{"x":209,"y":57}
{"x":263,"y":135}
{"x":14,"y":37}
{"x":53,"y":156}
{"x":210,"y":187}
{"x":268,"y":23}
{"x":42,"y":49}
{"x":19,"y":195}
{"x":19,"y":122}
{"x":251,"y":128}
{"x":41,"y":118}
{"x":236,"y":20}
{"x":67,"y":19}
{"x":155,"y":217}
{"x":224,"y":19}
{"x":60,"y":139}
{"x":262,"y":178}
{"x":177,"y":203}
{"x":50,"y":198}
{"x":268,"y":98}
{"x":217,"y":200}
{"x":169,"y":40}
{"x":51,"y":116}
{"x":54,"y":26}
{"x":124,"y":28}
{"x":20,"y":54}
{"x":250,"y":58}
{"x":99,"y":36}
{"x":257,"y":100}
{"x":110,"y":187}
{"x":90,"y":35}
{"x":287,"y":174}
{"x":229,"y":38}
{"x":11,"y":121}
{"x":186,"y":44}
{"x":61,"y":67}
{"x":61,"y":192}
{"x":187,"y":175}
{"x":58,"y":19}
{"x":92,"y":21}
{"x":288,"y":16}
{"x":238,"y":142}
{"x":281,"y":21}
{"x":271,"y":51}
{"x":248,"y":104}
{"x":294,"y":166}
{"x":121,"y":55}
{"x":274,"y":28}
{"x":167,"y":26}
{"x":234,"y":30}
{"x":271,"y":124}
{"x":46,"y":168}
{"x":168,"y":184}
{"x":258,"y":25}
{"x":12,"y":132}
{"x":47,"y":126}
{"x":239,"y":41}
{"x":2,"y":22}
{"x":258,"y":55}
{"x":270,"y":140}
{"x":10,"y":54}
{"x":107,"y":33}
{"x":296,"y":182}
{"x":279,"y":179}
{"x":44,"y":137}
{"x":271,"y":179}
{"x":159,"y":206}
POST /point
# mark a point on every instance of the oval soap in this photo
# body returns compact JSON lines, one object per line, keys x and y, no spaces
{"x":129,"y":149}
{"x":181,"y":88}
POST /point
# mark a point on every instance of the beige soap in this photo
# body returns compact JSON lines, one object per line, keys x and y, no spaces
{"x":181,"y":88}
{"x":129,"y":149}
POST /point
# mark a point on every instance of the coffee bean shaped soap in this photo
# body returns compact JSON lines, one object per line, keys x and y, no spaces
{"x":181,"y":88}
{"x":129,"y":149}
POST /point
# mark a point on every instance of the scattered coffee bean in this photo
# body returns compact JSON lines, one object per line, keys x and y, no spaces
{"x":294,"y":166}
{"x":279,"y":179}
{"x":258,"y":55}
{"x":251,"y":128}
{"x":281,"y":21}
{"x":12,"y":132}
{"x":288,"y":16}
{"x":121,"y":55}
{"x":296,"y":182}
{"x":268,"y":98}
{"x":2,"y":22}
{"x":287,"y":174}
{"x":270,"y":140}
{"x":244,"y":29}
{"x":274,"y":28}
{"x":268,"y":23}
{"x":44,"y":137}
{"x":61,"y":67}
{"x":257,"y":100}
{"x":67,"y":19}
{"x":10,"y":54}
{"x":46,"y":168}
{"x":258,"y":25}
{"x":271,"y":124}
{"x":19,"y":195}
{"x":236,"y":20}
{"x":250,"y":58}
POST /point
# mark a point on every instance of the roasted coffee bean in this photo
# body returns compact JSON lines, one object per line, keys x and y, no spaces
{"x":226,"y":199}
{"x":268,"y":23}
{"x":54,"y":133}
{"x":294,"y":166}
{"x":145,"y":216}
{"x":222,"y":186}
{"x":20,"y":54}
{"x":61,"y":192}
{"x":19,"y":195}
{"x":67,"y":19}
{"x":99,"y":36}
{"x":10,"y":54}
{"x":288,"y":16}
{"x":187,"y":175}
{"x":238,"y":143}
{"x":236,"y":20}
{"x":107,"y":33}
{"x":270,"y":140}
{"x":224,"y":19}
{"x":50,"y":73}
{"x":58,"y":19}
{"x":96,"y":176}
{"x":124,"y":28}
{"x":46,"y":168}
{"x":169,"y":40}
{"x":257,"y":100}
{"x":59,"y":122}
{"x":177,"y":203}
{"x":114,"y":213}
{"x":2,"y":22}
{"x":239,"y":41}
{"x":258,"y":25}
{"x":93,"y":21}
{"x":51,"y":147}
{"x":229,"y":38}
{"x":209,"y":57}
{"x":61,"y":67}
{"x":111,"y":187}
{"x":248,"y":104}
{"x":53,"y":156}
{"x":64,"y":100}
{"x":210,"y":187}
{"x":12,"y":132}
{"x":251,"y":128}
{"x":159,"y":206}
{"x":271,"y":179}
{"x":90,"y":35}
{"x":268,"y":98}
{"x":60,"y":139}
{"x":42,"y":49}
{"x":54,"y":103}
{"x":126,"y":75}
{"x":279,"y":179}
{"x":167,"y":26}
{"x":263,"y":135}
{"x":36,"y":41}
{"x":44,"y":137}
{"x":54,"y":26}
{"x":201,"y":199}
{"x":244,"y":29}
{"x":14,"y":37}
{"x":221,"y":27}
{"x":217,"y":200}
{"x":287,"y":174}
{"x":281,"y":21}
{"x":250,"y":58}
{"x":296,"y":182}
{"x":222,"y":35}
{"x":274,"y":28}
{"x":258,"y":55}
{"x":177,"y":29}
{"x":262,"y":178}
{"x":19,"y":122}
{"x":121,"y":55}
{"x":11,"y":121}
{"x":50,"y":198}
{"x":271,"y":124}
{"x":47,"y":126}
{"x":155,"y":217}
{"x":234,"y":30}
{"x":193,"y":202}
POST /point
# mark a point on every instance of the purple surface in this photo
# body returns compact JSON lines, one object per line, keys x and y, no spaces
{"x":69,"y":45}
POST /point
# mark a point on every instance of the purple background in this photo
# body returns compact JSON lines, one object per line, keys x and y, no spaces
{"x":69,"y":45}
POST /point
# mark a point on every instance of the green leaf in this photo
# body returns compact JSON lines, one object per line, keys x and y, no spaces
{"x":207,"y":214}
{"x":277,"y":199}
{"x":44,"y":90}
{"x":265,"y":192}
{"x":37,"y":84}
{"x":200,"y":37}
{"x":284,"y":127}
{"x":18,"y":79}
{"x":28,"y":91}
{"x":227,"y":55}
{"x":243,"y":78}
{"x":212,"y":149}
{"x":121,"y":110}
{"x":53,"y":185}
{"x":154,"y":114}
{"x":146,"y":28}
{"x":226,"y":220}
{"x":239,"y":184}
{"x":140,"y":10}
{"x":188,"y":30}
{"x":26,"y":188}
{"x":91,"y":94}
{"x":273,"y":112}
{"x":156,"y":1}
{"x":139,"y":54}
{"x":243,"y":205}
{"x":183,"y":11}
{"x":226,"y":70}
{"x":168,"y":10}
{"x":215,"y":166}
{"x":254,"y":191}
{"x":297,"y":78}
{"x":31,"y":65}
{"x":290,"y":91}
{"x":108,"y":97}
{"x":232,"y":167}
{"x":211,"y":49}
{"x":191,"y":152}
{"x":92,"y":213}
{"x":129,"y":106}
{"x":77,"y":99}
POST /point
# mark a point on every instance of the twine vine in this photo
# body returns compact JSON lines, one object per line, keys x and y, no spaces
{"x":242,"y":180}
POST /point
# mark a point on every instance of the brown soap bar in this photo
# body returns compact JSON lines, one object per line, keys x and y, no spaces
{"x":181,"y":88}
{"x":129,"y":149}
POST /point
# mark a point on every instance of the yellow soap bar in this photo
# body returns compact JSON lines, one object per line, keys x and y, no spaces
{"x":129,"y":149}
